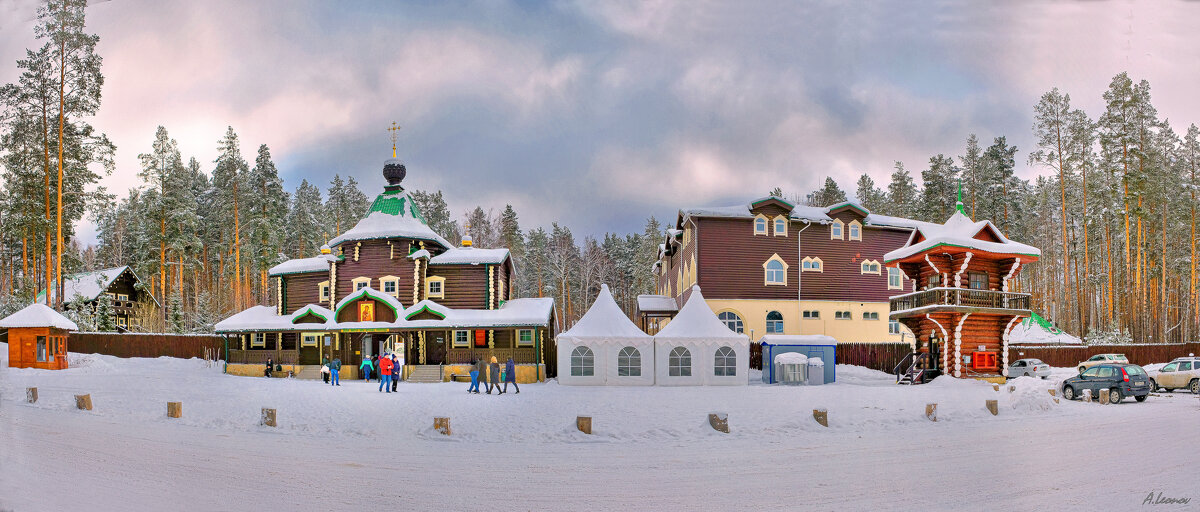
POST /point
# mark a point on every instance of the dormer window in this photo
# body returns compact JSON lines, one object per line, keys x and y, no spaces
{"x":781,"y":226}
{"x":855,"y":231}
{"x":390,"y":285}
{"x":361,"y":282}
{"x":760,"y":225}
{"x":435,"y":287}
{"x":835,"y":230}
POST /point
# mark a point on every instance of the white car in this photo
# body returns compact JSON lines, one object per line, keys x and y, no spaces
{"x":1029,"y":368}
{"x":1102,"y":359}
{"x":1183,"y":372}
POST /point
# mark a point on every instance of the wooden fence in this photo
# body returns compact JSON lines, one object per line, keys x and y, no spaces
{"x":876,"y":356}
{"x":145,"y":345}
{"x":1069,"y":356}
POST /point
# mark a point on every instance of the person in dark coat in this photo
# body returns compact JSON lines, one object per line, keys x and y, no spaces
{"x":493,"y":377}
{"x":334,"y":367}
{"x":510,"y":375}
{"x":395,"y":372}
{"x":325,"y":368}
{"x":270,"y":367}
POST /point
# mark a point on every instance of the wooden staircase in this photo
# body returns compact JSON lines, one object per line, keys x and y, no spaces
{"x":426,"y":374}
{"x":309,"y":372}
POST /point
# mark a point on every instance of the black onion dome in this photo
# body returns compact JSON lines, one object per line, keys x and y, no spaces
{"x":394,"y":171}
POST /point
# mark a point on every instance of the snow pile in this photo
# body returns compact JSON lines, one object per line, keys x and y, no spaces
{"x":469,"y":256}
{"x":1030,"y":394}
{"x":791,"y":358}
{"x":38,"y":315}
{"x":294,"y":266}
{"x":1028,"y":332}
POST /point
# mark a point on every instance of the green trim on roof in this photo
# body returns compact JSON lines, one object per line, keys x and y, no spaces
{"x":384,"y":203}
{"x":946,"y":244}
{"x":768,"y":198}
{"x":424,"y":308}
{"x":358,"y":295}
{"x":308,"y":311}
{"x":851,"y":204}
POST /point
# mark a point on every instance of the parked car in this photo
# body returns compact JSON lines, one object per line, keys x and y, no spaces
{"x":1029,"y":368}
{"x":1102,"y":359}
{"x":1183,"y":372}
{"x":1121,"y":380}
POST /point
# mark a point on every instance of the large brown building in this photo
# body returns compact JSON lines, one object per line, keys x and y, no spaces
{"x":129,"y":298}
{"x":771,"y":267}
{"x":350,"y":302}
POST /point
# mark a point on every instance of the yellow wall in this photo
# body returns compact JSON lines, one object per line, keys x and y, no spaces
{"x":256,"y":370}
{"x":856,"y":330}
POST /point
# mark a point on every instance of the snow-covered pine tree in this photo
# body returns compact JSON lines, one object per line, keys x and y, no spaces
{"x":535,"y":275}
{"x":829,"y":194}
{"x":303,"y":227}
{"x":228,"y":204}
{"x":268,"y":203}
{"x":939,"y":190}
{"x":970,"y":163}
{"x":902,"y":194}
{"x":870,"y":196}
{"x":437,"y":214}
{"x":104,"y":314}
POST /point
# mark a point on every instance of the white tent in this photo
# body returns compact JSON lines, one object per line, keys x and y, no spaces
{"x":605,"y":347}
{"x":697,"y":348}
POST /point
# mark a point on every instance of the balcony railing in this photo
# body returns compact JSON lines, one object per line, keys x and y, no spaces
{"x":962,"y":297}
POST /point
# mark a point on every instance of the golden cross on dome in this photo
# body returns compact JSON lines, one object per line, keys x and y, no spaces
{"x":394,"y":129}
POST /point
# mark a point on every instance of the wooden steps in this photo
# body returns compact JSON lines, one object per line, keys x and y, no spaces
{"x":426,"y":374}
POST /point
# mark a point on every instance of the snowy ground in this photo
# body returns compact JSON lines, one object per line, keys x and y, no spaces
{"x":353,"y":448}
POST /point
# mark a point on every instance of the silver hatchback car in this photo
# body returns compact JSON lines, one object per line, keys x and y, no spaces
{"x":1029,"y":368}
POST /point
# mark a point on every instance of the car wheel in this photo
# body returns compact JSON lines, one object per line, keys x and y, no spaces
{"x":1114,"y":396}
{"x":1153,"y":386}
{"x":1195,"y":386}
{"x":1140,"y":398}
{"x":1026,"y":374}
{"x":1068,"y":392}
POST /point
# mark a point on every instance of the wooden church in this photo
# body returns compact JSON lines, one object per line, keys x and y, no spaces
{"x":391,"y":284}
{"x":962,"y":312}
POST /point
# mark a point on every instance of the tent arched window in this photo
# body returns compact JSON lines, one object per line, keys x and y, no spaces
{"x":679,"y":363}
{"x":725,"y":363}
{"x":583,"y":362}
{"x":629,"y":362}
{"x":731,"y":320}
{"x":774,"y":323}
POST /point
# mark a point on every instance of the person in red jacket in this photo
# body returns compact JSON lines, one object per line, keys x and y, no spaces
{"x":385,"y":373}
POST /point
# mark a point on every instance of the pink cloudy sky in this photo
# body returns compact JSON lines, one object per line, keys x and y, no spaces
{"x":599,"y":114}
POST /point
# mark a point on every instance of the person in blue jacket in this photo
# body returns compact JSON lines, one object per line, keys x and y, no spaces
{"x":366,"y":368}
{"x":474,"y":377}
{"x":510,"y":375}
{"x":334,"y":367}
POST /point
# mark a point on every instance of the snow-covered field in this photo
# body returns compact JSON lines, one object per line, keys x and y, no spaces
{"x":354,"y":448}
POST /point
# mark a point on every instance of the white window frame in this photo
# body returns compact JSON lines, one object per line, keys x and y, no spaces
{"x":383,"y":282}
{"x":837,"y":230}
{"x":893,"y":327}
{"x":583,"y":362}
{"x":123,"y":297}
{"x":778,"y":221}
{"x":441,"y":284}
{"x":679,"y":362}
{"x":895,"y":274}
{"x":767,"y":271}
{"x":466,"y":342}
{"x":765,"y":224}
{"x":354,"y":283}
{"x":630,"y":363}
{"x":521,"y":333}
{"x":812,"y":264}
{"x":852,"y":228}
{"x":725,"y":362}
{"x":870,"y":267}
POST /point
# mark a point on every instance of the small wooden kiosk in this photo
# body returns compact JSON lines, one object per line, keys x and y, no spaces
{"x":963,"y":311}
{"x":37,"y":338}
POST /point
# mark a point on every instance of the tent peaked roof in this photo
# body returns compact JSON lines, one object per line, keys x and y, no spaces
{"x":697,"y":320}
{"x":604,"y":320}
{"x":38,"y":315}
{"x":960,"y":231}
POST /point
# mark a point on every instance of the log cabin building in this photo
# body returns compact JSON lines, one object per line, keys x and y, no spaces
{"x":771,"y":267}
{"x":124,"y":289}
{"x":963,"y":314}
{"x":350,"y":301}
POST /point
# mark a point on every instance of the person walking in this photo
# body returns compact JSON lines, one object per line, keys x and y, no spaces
{"x":395,"y":371}
{"x":510,"y":375}
{"x":385,"y":374}
{"x":366,"y":369}
{"x":494,"y":376}
{"x":375,"y":367}
{"x":334,"y":367}
{"x":475,"y":365}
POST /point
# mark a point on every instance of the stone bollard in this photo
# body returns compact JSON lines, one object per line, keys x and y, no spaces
{"x":442,"y":425}
{"x":822,"y":417}
{"x":584,"y":424}
{"x":993,"y":407}
{"x":1103,"y":397}
{"x":719,"y":421}
{"x":931,"y":412}
{"x":83,"y":402}
{"x":268,"y":417}
{"x":31,"y":395}
{"x":174,"y":409}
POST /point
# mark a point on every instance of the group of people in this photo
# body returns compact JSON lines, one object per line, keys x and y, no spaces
{"x":490,"y":373}
{"x":329,"y":371}
{"x":385,"y":368}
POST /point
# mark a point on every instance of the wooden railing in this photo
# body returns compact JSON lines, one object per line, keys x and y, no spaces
{"x":261,"y":356}
{"x":524,"y":355}
{"x":960,"y":297}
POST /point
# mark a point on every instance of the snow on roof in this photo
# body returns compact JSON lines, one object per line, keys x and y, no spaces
{"x":427,"y":305}
{"x":314,"y":309}
{"x":88,"y":285}
{"x":798,"y":339}
{"x":393,"y":215}
{"x":604,"y":321}
{"x":469,"y":255}
{"x":38,"y":315}
{"x":255,"y":318}
{"x":656,"y":303}
{"x":791,"y":358}
{"x":367,"y":291}
{"x":419,"y":254}
{"x":295,"y":266}
{"x":806,"y":213}
{"x":697,"y":321}
{"x":960,"y":231}
{"x":1029,"y":332}
{"x":513,"y":313}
